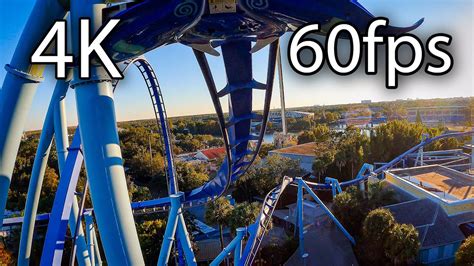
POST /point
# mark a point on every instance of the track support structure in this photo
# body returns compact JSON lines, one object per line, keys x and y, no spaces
{"x":176,"y":229}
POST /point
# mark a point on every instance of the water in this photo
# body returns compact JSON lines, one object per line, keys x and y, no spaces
{"x":268,"y":138}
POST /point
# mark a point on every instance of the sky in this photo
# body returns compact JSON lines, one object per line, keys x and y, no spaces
{"x":185,"y":92}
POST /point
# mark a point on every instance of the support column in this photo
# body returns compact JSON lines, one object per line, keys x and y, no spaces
{"x":19,"y":87}
{"x":102,"y":154}
{"x":96,"y":248}
{"x":282,"y":93}
{"x":37,"y":175}
{"x":238,"y":248}
{"x":299,"y":207}
{"x":89,"y":236}
{"x":170,"y":230}
{"x":62,"y":144}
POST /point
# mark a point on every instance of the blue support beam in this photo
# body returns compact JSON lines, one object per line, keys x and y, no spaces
{"x":37,"y":175}
{"x":63,"y":200}
{"x":299,"y":214}
{"x":176,"y":228}
{"x":19,"y":87}
{"x":328,"y":212}
{"x":101,"y":147}
{"x":234,"y":245}
{"x":335,"y":186}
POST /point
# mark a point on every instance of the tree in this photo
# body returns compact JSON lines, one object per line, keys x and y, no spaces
{"x":265,"y":148}
{"x":323,"y":160}
{"x":143,"y":169}
{"x":218,"y":212}
{"x":379,"y":196}
{"x":318,"y":133}
{"x":377,"y":225}
{"x":402,"y":244}
{"x":350,"y":210}
{"x":150,"y":234}
{"x":6,"y":255}
{"x":263,"y":176}
{"x":384,"y":241}
{"x":465,"y":253}
{"x":418,"y":117}
{"x":394,"y":138}
{"x":375,"y":232}
{"x":243,"y":215}
{"x":306,"y":137}
{"x":191,"y":176}
{"x":277,"y":254}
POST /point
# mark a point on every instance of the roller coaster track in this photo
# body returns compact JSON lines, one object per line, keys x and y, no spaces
{"x":392,"y":163}
{"x":236,"y":135}
{"x":258,"y":229}
{"x":235,"y":131}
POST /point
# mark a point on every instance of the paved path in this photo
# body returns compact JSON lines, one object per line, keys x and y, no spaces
{"x":325,"y":245}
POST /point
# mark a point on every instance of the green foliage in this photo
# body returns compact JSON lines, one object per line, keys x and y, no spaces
{"x":350,"y":209}
{"x":402,"y":244}
{"x":338,"y":153}
{"x":324,"y":159}
{"x":377,"y":225}
{"x":319,"y":133}
{"x":352,"y":206}
{"x":378,"y":195}
{"x":150,"y":234}
{"x":265,"y":148}
{"x":384,"y":241}
{"x":144,"y":168}
{"x":418,"y":117}
{"x":6,"y":254}
{"x":297,"y":125}
{"x":465,"y":253}
{"x":22,"y":173}
{"x":199,"y":127}
{"x":191,"y":176}
{"x":275,"y":254}
{"x":218,"y":212}
{"x":243,"y":214}
{"x":394,"y":138}
{"x":263,"y":176}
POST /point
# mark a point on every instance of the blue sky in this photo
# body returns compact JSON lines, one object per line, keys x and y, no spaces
{"x":185,"y":92}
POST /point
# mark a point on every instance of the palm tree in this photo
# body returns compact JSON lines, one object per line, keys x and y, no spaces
{"x":218,"y":212}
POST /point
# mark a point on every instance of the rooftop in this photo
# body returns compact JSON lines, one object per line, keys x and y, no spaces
{"x":214,"y":153}
{"x":439,"y":179}
{"x":308,"y":149}
{"x":434,"y":226}
{"x":438,"y":107}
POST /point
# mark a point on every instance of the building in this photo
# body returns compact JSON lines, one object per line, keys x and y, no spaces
{"x":440,"y":205}
{"x":363,"y":117}
{"x":450,"y":189}
{"x":366,"y":101}
{"x":439,"y":234}
{"x":305,"y":153}
{"x":211,"y":154}
{"x":435,"y":115}
{"x":275,"y":116}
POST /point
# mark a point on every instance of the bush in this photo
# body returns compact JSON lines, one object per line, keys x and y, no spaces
{"x":275,"y":254}
{"x":402,"y":244}
{"x":465,"y":253}
{"x":386,"y":242}
{"x":349,"y":210}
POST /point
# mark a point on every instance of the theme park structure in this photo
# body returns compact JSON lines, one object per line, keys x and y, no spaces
{"x":146,"y":25}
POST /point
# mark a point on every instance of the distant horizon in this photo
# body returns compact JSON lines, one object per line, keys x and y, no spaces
{"x":277,"y":108}
{"x":185,"y":92}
